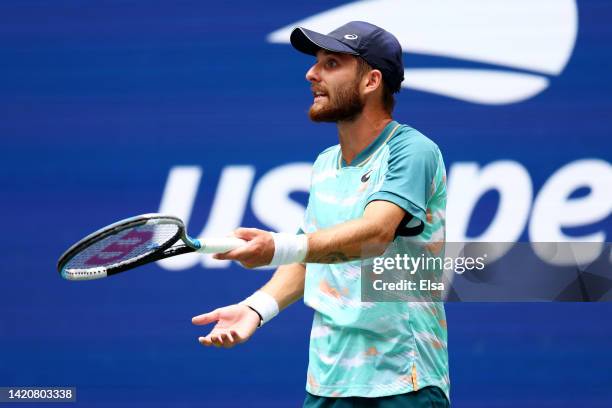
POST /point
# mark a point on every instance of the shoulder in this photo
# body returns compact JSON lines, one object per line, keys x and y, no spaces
{"x":410,"y":149}
{"x":329,"y":151}
{"x":328,"y":155}
{"x":408,"y":140}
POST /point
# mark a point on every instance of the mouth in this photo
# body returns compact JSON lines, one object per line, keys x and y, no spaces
{"x":319,"y":96}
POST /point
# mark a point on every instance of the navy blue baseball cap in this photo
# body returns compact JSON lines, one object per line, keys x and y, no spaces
{"x":379,"y":48}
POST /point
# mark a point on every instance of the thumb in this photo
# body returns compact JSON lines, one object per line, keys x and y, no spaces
{"x":246,"y":233}
{"x":206,"y":318}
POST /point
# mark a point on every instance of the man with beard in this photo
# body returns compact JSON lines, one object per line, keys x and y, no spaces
{"x":381,"y":189}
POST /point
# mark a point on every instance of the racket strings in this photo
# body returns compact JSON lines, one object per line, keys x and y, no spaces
{"x":126,"y":245}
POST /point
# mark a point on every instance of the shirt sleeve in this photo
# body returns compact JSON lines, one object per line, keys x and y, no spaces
{"x":411,"y":167}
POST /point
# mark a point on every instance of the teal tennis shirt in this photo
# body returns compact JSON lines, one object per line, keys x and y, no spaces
{"x":373,"y":349}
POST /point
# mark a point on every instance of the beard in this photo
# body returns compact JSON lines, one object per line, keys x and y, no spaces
{"x":344,"y":105}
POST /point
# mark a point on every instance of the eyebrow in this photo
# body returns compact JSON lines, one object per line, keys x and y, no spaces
{"x":326,"y":53}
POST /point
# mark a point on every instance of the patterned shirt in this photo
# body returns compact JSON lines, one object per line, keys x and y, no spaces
{"x":378,"y":348}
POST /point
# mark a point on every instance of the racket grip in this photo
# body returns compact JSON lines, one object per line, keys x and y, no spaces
{"x":220,"y":245}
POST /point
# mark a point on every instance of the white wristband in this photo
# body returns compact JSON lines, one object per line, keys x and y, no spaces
{"x":263,"y":304}
{"x":289,"y":248}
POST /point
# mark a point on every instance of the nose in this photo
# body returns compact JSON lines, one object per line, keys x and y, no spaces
{"x":312,"y":75}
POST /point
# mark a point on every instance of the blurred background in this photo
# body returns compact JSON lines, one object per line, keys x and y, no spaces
{"x":117,"y":108}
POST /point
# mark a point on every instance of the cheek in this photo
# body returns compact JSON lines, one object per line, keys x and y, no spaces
{"x":334,"y":91}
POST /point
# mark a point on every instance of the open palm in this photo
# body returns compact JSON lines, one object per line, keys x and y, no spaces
{"x":235,"y":324}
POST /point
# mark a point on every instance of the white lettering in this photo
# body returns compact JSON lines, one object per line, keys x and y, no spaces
{"x":468,"y":183}
{"x":271,"y":203}
{"x":553,"y":210}
{"x":377,"y":267}
{"x":226,"y":213}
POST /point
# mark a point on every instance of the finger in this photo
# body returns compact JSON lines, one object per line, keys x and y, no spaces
{"x":216,"y":341}
{"x":205,"y":341}
{"x":226,"y":341}
{"x":220,"y":257}
{"x":236,"y":337}
{"x":206,"y":318}
{"x":237,"y":254}
{"x":232,"y":255}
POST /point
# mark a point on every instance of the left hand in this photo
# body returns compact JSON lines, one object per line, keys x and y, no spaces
{"x":258,"y":251}
{"x":234,"y":325}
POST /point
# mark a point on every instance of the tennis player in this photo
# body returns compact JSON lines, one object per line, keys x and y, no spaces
{"x":381,"y":188}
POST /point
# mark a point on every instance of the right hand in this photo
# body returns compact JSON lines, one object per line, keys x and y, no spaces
{"x":235,"y":324}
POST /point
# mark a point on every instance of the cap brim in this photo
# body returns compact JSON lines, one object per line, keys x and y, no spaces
{"x":310,"y":42}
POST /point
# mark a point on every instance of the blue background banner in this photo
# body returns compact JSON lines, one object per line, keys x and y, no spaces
{"x":116,"y":108}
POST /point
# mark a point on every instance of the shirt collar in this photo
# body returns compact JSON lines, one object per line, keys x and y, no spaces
{"x":364,"y":155}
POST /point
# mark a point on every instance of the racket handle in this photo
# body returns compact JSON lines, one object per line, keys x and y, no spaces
{"x":220,"y":245}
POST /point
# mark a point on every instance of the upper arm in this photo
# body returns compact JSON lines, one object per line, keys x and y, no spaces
{"x":412,"y":164}
{"x":385,"y":214}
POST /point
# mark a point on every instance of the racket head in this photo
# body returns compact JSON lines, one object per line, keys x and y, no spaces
{"x":124,"y":245}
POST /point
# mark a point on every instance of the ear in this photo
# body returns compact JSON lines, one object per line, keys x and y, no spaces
{"x":372,"y":81}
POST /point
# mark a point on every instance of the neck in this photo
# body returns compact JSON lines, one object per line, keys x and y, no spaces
{"x":357,"y":134}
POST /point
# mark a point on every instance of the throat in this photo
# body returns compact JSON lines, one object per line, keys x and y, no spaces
{"x":357,"y":135}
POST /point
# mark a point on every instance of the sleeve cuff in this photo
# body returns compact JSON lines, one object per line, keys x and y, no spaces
{"x":401,"y":202}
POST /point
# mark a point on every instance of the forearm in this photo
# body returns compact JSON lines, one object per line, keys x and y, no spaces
{"x":287,"y":284}
{"x":360,"y":238}
{"x":364,"y":237}
{"x":348,"y":241}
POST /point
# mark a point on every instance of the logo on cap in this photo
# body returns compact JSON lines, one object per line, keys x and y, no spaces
{"x":351,"y":36}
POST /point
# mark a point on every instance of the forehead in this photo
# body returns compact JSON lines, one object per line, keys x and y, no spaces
{"x":337,"y":55}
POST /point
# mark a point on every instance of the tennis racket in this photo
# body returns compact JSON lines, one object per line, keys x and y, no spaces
{"x":133,"y":242}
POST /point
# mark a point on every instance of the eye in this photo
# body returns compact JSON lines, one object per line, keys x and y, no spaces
{"x":331,"y":63}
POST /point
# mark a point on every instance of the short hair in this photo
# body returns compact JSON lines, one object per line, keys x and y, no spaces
{"x":388,"y":99}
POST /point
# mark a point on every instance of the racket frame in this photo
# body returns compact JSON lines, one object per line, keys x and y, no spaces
{"x":163,"y":251}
